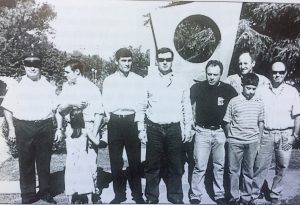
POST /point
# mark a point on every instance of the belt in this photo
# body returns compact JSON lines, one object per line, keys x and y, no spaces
{"x":211,"y":127}
{"x":283,"y":129}
{"x":115,"y":116}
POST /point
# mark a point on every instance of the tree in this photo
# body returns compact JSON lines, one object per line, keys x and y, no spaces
{"x":271,"y":31}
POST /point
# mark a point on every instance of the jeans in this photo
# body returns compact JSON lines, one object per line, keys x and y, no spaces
{"x":122,"y":132}
{"x":208,"y":142}
{"x":34,"y":141}
{"x":270,"y":142}
{"x":241,"y":156}
{"x":164,"y":145}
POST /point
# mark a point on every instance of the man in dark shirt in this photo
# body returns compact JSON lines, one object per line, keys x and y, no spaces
{"x":210,"y":99}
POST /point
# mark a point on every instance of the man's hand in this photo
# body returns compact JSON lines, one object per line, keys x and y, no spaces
{"x":287,"y":143}
{"x":188,"y":136}
{"x":11,"y":135}
{"x":59,"y":134}
{"x":143,"y":136}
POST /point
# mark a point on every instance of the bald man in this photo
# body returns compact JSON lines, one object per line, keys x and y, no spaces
{"x":282,"y":124}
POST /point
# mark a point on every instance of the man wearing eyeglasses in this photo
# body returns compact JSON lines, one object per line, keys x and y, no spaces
{"x":246,"y":65}
{"x":168,"y":120}
{"x":28,"y":111}
{"x":282,"y":125}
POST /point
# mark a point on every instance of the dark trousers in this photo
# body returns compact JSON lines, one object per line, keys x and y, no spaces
{"x":122,"y":132}
{"x":34,"y":143}
{"x":164,"y":147}
{"x":188,"y":157}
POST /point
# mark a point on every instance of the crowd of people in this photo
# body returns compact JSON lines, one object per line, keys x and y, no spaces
{"x":239,"y":123}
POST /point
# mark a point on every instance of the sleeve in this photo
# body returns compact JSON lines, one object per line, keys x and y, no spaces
{"x":105,"y":96}
{"x":228,"y":114}
{"x":10,"y":100}
{"x":187,"y":109}
{"x":296,"y":103}
{"x":96,"y":101}
{"x":142,"y":101}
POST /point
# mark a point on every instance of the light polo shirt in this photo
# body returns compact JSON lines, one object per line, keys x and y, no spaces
{"x":124,"y":95}
{"x":281,"y":105}
{"x":243,"y":116}
{"x":168,"y":99}
{"x":83,"y":91}
{"x":31,"y":100}
{"x":236,"y":82}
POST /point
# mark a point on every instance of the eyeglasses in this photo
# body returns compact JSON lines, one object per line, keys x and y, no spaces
{"x":35,"y":64}
{"x":280,"y":72}
{"x":164,"y":59}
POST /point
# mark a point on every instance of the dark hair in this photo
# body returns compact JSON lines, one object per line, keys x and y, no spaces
{"x":164,"y":50}
{"x":123,"y":52}
{"x":250,"y":79}
{"x":74,"y":64}
{"x":214,"y":63}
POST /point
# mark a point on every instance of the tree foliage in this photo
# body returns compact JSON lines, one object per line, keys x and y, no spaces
{"x":272,"y":32}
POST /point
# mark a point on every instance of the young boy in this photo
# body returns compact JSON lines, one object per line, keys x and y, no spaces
{"x":244,"y":125}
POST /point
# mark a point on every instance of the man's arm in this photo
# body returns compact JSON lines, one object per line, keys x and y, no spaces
{"x":226,"y":128}
{"x":297,"y":127}
{"x":59,"y":133}
{"x":97,"y":123}
{"x":261,"y":129}
{"x":188,"y":119}
{"x":11,"y":128}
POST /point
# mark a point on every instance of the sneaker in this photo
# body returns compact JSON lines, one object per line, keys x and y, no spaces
{"x":117,"y":200}
{"x":234,"y":202}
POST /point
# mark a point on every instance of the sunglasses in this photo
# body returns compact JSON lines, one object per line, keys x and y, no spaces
{"x":35,"y":64}
{"x":280,"y":72}
{"x":164,"y":59}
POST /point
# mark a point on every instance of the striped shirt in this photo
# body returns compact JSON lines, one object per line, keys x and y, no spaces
{"x":243,"y":116}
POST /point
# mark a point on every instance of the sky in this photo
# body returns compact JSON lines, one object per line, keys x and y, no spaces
{"x":101,"y":27}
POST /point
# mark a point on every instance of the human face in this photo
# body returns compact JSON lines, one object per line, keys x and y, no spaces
{"x":124,"y":64}
{"x":32,"y":72}
{"x":164,"y":62}
{"x":71,"y":75}
{"x":249,"y":91}
{"x":246,"y":63}
{"x":278,"y":73}
{"x":213,"y":75}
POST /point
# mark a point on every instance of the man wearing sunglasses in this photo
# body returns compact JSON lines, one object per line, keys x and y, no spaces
{"x":28,"y":111}
{"x":282,"y":125}
{"x":169,"y":120}
{"x":246,"y":65}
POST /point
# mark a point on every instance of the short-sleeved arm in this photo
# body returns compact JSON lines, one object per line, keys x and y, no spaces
{"x":296,"y":103}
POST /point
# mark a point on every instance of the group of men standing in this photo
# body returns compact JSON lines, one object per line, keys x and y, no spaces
{"x":254,"y":115}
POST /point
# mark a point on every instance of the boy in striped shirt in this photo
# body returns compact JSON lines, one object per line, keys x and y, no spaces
{"x":244,"y":120}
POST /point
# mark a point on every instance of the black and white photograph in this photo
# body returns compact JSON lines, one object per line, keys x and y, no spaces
{"x":150,"y":102}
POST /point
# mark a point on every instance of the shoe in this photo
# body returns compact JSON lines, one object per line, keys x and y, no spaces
{"x":275,"y":201}
{"x":221,"y":201}
{"x":139,"y":200}
{"x":102,"y":144}
{"x":234,"y":202}
{"x":151,"y":201}
{"x":48,"y":198}
{"x":195,"y":201}
{"x":29,"y":201}
{"x":96,"y":199}
{"x":176,"y":201}
{"x":117,"y":200}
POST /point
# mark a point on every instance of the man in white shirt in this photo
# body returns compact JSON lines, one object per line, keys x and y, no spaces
{"x":169,"y":120}
{"x":282,"y":126}
{"x":123,"y":97}
{"x":81,"y":101}
{"x":246,"y":65}
{"x":28,"y":111}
